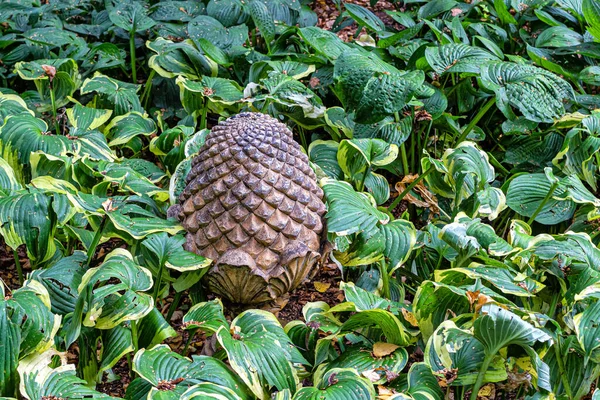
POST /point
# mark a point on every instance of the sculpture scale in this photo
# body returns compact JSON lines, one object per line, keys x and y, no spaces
{"x":253,"y":205}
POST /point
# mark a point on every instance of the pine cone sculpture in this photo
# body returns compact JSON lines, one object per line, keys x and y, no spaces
{"x":253,"y":205}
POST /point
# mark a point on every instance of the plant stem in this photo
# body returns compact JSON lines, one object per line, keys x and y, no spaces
{"x":405,"y":168}
{"x":97,"y":236}
{"x":173,"y":305}
{"x":414,"y":183}
{"x":385,"y":278}
{"x":158,"y":280}
{"x":147,"y":88}
{"x":204,"y":114}
{"x":132,"y":55}
{"x":543,"y":203}
{"x":361,"y":187}
{"x":191,"y":335}
{"x":484,"y":367}
{"x":475,"y":120}
{"x":561,"y":367}
{"x":18,"y":266}
{"x":54,"y":115}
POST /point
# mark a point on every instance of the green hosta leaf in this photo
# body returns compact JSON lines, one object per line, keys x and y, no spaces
{"x":10,"y":335}
{"x":174,"y":59}
{"x":208,"y":317}
{"x":364,"y":17}
{"x":40,"y":381}
{"x":292,"y":69}
{"x":587,"y":331}
{"x":390,"y":326}
{"x":422,"y":384}
{"x":387,"y":93}
{"x":400,"y":239}
{"x":324,"y":42}
{"x":113,"y":94}
{"x":436,"y":302}
{"x":591,"y":13}
{"x":558,"y":36}
{"x":434,"y":8}
{"x":263,"y":20}
{"x":456,"y":57}
{"x":324,"y":154}
{"x":349,"y":211}
{"x":27,"y":218}
{"x":590,"y":75}
{"x":129,"y":180}
{"x":526,"y":192}
{"x":364,"y":360}
{"x":535,"y":92}
{"x":378,"y":186}
{"x":358,"y":299}
{"x":169,"y":252}
{"x":173,"y":374}
{"x":454,"y":349}
{"x":125,"y":127}
{"x":116,"y":342}
{"x":153,"y":329}
{"x":208,"y":28}
{"x":496,"y":328}
{"x":86,"y":118}
{"x":261,"y":367}
{"x":131,"y":16}
{"x":338,"y":384}
{"x":62,"y":280}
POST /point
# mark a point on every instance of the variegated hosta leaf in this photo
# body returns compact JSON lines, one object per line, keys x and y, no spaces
{"x":27,"y":218}
{"x":453,"y":349}
{"x":505,"y":280}
{"x":218,"y":92}
{"x":379,"y":368}
{"x":153,"y":329}
{"x":324,"y":154}
{"x":537,"y":93}
{"x":356,"y":155}
{"x":41,"y":381}
{"x":207,"y":317}
{"x":133,"y":17}
{"x":461,"y":172}
{"x":104,"y":305}
{"x":12,"y":104}
{"x":160,"y":248}
{"x":209,"y":390}
{"x":491,"y":202}
{"x":174,"y":59}
{"x":421,"y":384}
{"x":171,"y":374}
{"x":350,"y":211}
{"x":121,"y":97}
{"x":124,"y":128}
{"x":130,"y":181}
{"x":457,"y":57}
{"x":526,"y":192}
{"x":261,"y":367}
{"x":65,"y":79}
{"x":337,"y":384}
{"x":8,"y":179}
{"x":468,"y":236}
{"x":87,"y":118}
{"x":496,"y":328}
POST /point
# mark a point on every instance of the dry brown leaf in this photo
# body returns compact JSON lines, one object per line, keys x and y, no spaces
{"x":487,"y":392}
{"x":428,"y":199}
{"x":381,"y":349}
{"x":371,"y":375}
{"x":384,"y":393}
{"x":409,"y":317}
{"x":321,"y":286}
{"x":478,"y":299}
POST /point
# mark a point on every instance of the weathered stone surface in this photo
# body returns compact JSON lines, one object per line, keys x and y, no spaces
{"x":252,"y":204}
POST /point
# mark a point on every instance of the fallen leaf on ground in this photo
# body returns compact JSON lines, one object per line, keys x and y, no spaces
{"x":381,"y":349}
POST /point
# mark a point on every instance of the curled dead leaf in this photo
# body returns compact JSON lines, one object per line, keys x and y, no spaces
{"x":410,"y":317}
{"x":50,"y":71}
{"x":427,"y":200}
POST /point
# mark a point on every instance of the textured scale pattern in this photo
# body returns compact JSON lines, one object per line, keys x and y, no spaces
{"x":253,"y":205}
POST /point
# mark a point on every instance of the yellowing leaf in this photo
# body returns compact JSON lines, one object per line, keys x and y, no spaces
{"x":381,"y":349}
{"x":321,"y":287}
{"x":409,"y":317}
